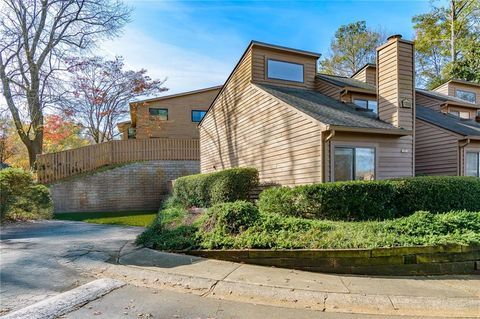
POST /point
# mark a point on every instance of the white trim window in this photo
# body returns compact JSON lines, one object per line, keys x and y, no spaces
{"x":354,"y":163}
{"x":286,"y":71}
{"x":472,"y":164}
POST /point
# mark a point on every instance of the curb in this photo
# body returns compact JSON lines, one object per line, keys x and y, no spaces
{"x":67,"y":301}
{"x":297,"y":298}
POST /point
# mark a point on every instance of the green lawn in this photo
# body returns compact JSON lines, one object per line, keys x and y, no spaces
{"x":140,"y":218}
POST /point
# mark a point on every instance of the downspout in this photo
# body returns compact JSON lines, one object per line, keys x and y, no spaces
{"x":460,"y":152}
{"x":325,"y":159}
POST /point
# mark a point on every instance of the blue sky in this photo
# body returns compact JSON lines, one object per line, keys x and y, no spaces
{"x":196,"y":44}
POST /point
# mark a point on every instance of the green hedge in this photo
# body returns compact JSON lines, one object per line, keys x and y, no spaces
{"x":21,"y":198}
{"x":205,"y":190}
{"x":373,"y":200}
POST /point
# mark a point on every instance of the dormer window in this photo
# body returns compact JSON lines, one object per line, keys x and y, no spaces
{"x":367,"y":104}
{"x":282,"y":70}
{"x":466,"y":95}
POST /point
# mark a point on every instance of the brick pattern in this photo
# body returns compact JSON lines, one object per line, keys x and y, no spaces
{"x":135,"y":186}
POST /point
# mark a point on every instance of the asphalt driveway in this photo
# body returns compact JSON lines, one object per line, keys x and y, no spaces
{"x":34,"y":257}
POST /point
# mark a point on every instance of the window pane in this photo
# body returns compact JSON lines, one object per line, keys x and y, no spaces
{"x":364,"y":164}
{"x":197,"y":116}
{"x":361,"y":103}
{"x":465,"y":115}
{"x":162,"y":114}
{"x":472,"y":164}
{"x":285,"y":71}
{"x":466,"y":95}
{"x":372,"y":105}
{"x":343,"y":164}
{"x":456,"y":113}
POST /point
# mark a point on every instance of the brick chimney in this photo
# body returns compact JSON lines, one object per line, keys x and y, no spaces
{"x":396,"y":82}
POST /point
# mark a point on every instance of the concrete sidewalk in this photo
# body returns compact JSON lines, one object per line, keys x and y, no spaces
{"x":444,"y":296}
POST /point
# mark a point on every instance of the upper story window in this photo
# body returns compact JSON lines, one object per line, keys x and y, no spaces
{"x":198,"y":115}
{"x":281,"y":70}
{"x":461,"y":114}
{"x":472,"y":164}
{"x":161,"y":114}
{"x":367,"y":104}
{"x":466,"y":95}
{"x":354,"y":163}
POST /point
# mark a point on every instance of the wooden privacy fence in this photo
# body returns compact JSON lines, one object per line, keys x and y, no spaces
{"x":54,"y":166}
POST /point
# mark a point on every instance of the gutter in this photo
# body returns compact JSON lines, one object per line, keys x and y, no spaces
{"x":398,"y":132}
{"x":347,"y":89}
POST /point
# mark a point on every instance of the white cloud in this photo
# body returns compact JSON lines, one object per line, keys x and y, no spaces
{"x":185,"y":70}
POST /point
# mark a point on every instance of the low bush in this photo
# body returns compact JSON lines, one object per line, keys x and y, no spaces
{"x":204,"y":190}
{"x":175,"y":230}
{"x":21,"y":198}
{"x":231,"y":218}
{"x":334,"y":201}
{"x":436,"y":194}
{"x":373,"y":200}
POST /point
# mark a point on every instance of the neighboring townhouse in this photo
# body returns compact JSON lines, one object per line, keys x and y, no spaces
{"x":446,"y":144}
{"x":169,"y":116}
{"x":461,"y":89}
{"x":277,"y":114}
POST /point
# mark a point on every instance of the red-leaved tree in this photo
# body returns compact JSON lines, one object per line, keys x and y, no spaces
{"x":100,"y":91}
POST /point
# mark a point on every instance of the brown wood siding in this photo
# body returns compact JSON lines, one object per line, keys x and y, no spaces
{"x":426,"y":101}
{"x":254,"y":129}
{"x":443,"y":89}
{"x":327,"y":88}
{"x":367,"y":75}
{"x":396,"y":83}
{"x":391,"y":162}
{"x":436,"y":150}
{"x":450,"y":88}
{"x":179,"y":124}
{"x":259,"y":67}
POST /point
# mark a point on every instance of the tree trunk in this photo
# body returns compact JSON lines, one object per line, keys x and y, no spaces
{"x":34,"y":148}
{"x":453,"y":18}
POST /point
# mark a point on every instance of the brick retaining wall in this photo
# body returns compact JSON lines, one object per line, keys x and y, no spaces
{"x":135,"y":186}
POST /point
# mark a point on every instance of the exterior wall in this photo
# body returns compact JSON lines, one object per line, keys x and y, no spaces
{"x":179,"y":123}
{"x":437,"y":151}
{"x":327,"y":88}
{"x":136,"y":186}
{"x":429,"y":102}
{"x":473,"y":146}
{"x":259,"y":66}
{"x":354,"y":96}
{"x":257,"y":130}
{"x":396,"y":83}
{"x":391,"y":160}
{"x":450,"y":88}
{"x":367,"y":75}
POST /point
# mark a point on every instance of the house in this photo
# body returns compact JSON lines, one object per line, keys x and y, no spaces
{"x":169,"y":116}
{"x":277,"y":114}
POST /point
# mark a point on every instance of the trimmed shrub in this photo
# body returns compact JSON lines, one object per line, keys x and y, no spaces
{"x":232,"y":218}
{"x":204,"y":190}
{"x":436,"y":194}
{"x":373,"y":200}
{"x":334,"y":201}
{"x":21,"y":198}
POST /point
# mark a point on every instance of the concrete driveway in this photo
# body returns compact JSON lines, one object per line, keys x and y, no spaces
{"x":35,"y":257}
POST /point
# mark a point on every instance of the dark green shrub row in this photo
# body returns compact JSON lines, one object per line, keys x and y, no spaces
{"x":21,"y":197}
{"x":204,"y":190}
{"x":373,"y":200}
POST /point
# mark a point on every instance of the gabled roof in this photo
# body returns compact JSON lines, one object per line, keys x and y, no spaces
{"x":282,"y":48}
{"x":449,"y":122}
{"x":347,"y":82}
{"x":446,"y":98}
{"x":458,"y":81}
{"x":164,"y":97}
{"x":328,"y":110}
{"x":368,"y":65}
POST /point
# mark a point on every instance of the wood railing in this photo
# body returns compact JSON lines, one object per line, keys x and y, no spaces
{"x":54,"y":166}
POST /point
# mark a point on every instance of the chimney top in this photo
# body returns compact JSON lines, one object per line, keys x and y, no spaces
{"x":395,"y":36}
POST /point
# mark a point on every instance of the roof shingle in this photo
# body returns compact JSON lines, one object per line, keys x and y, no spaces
{"x":343,"y":82}
{"x":449,"y":122}
{"x":325,"y":109}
